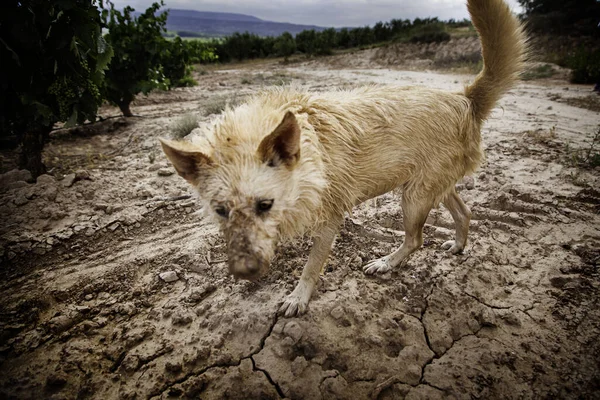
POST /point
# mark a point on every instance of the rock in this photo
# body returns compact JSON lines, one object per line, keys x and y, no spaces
{"x":469,"y":182}
{"x":20,"y":200}
{"x":155,"y":167}
{"x":101,"y":206}
{"x":16,"y":185}
{"x":50,"y":193}
{"x":293,"y":330}
{"x":168,"y":276}
{"x":45,"y":180}
{"x":15,"y":175}
{"x":173,"y":367}
{"x":165,"y":172}
{"x":337,"y":312}
{"x":197,"y":295}
{"x":69,"y":180}
{"x":126,"y":309}
{"x":113,"y":208}
{"x":60,"y":323}
{"x":82,"y":174}
{"x":130,"y":363}
{"x":511,"y":319}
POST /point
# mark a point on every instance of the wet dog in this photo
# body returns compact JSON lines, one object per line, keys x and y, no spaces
{"x":290,"y":162}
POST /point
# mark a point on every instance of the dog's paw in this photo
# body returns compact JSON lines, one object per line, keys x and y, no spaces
{"x":452,"y":247}
{"x":297,"y":302}
{"x":293,"y":307}
{"x":379,"y":266}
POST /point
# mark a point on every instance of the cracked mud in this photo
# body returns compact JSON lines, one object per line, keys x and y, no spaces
{"x":114,"y":287}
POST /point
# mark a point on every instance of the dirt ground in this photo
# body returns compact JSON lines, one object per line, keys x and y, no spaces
{"x":113,"y":286}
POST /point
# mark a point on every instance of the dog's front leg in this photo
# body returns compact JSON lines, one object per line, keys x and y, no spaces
{"x":297,"y":301}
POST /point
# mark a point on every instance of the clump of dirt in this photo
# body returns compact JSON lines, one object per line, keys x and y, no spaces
{"x":114,"y":286}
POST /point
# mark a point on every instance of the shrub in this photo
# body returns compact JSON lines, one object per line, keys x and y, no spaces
{"x":434,"y":32}
{"x":585,"y":66}
{"x":175,"y":59}
{"x":285,"y":45}
{"x":53,"y":57}
{"x":183,"y":126}
{"x":538,"y":72}
{"x":137,"y":44}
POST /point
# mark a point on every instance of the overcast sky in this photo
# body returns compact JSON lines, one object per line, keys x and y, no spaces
{"x":326,"y":13}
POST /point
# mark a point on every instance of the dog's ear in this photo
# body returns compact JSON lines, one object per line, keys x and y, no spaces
{"x":188,"y":161}
{"x":282,"y":146}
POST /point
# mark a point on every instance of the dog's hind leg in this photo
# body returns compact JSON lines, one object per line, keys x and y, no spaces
{"x":415,"y":210}
{"x":462,"y":216}
{"x":297,"y":301}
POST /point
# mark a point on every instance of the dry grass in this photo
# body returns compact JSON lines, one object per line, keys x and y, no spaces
{"x":183,"y":125}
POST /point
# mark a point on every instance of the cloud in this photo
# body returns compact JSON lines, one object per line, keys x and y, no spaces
{"x":325,"y":12}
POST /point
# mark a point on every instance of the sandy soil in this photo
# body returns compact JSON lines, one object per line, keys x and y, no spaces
{"x":113,"y":286}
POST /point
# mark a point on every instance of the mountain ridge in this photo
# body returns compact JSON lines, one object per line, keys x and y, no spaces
{"x":208,"y":23}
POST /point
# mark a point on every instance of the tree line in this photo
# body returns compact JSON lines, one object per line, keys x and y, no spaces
{"x":243,"y":46}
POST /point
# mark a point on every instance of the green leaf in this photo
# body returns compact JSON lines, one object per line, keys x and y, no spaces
{"x":105,"y":55}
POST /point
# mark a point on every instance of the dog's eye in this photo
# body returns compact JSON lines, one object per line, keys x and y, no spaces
{"x":222,"y":211}
{"x":264,"y":206}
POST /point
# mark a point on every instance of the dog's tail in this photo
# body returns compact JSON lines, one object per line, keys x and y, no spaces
{"x":504,"y":48}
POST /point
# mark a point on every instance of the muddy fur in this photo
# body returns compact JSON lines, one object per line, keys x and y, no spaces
{"x":314,"y":156}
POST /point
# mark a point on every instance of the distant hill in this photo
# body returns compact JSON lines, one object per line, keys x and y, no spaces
{"x":196,"y":23}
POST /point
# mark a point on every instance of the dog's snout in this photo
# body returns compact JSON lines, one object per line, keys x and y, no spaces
{"x":246,"y":266}
{"x":252,"y":265}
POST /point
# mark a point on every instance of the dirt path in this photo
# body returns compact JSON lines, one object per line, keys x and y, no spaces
{"x":87,"y":312}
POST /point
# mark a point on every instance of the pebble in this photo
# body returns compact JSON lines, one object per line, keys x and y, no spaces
{"x":45,"y":180}
{"x":469,"y":182}
{"x":337,"y":312}
{"x":68,"y":180}
{"x":155,"y":167}
{"x":168,"y":276}
{"x":165,"y":172}
{"x":201,"y":293}
{"x":82,"y":174}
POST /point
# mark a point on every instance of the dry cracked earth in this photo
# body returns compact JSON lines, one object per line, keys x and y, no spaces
{"x":114,"y":287}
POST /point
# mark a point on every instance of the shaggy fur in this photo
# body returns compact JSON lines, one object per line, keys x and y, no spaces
{"x":290,"y":162}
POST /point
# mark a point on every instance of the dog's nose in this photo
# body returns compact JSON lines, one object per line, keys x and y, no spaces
{"x":248,"y":268}
{"x":252,"y":265}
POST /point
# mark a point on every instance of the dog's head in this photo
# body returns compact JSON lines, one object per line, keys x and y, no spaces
{"x":247,"y":181}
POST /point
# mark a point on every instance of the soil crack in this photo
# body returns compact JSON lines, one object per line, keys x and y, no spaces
{"x":226,"y":365}
{"x":271,"y":380}
{"x":477,"y":299}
